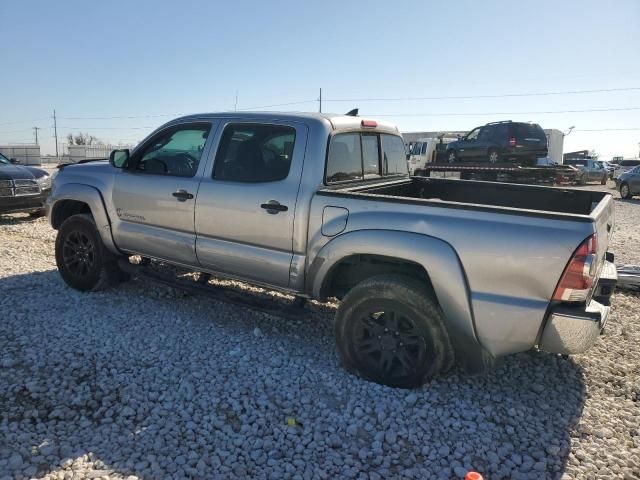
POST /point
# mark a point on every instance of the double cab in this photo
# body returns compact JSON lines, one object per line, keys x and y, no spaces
{"x":428,"y":272}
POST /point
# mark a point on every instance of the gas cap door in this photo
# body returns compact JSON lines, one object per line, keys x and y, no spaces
{"x":334,"y":220}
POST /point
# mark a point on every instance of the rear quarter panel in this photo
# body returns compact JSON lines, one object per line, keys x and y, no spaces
{"x":512,"y":261}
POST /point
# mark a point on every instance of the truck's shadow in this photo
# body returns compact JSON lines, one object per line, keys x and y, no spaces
{"x":16,"y":218}
{"x":98,"y":375}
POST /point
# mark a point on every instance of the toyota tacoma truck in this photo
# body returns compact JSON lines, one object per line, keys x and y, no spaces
{"x":429,"y":272}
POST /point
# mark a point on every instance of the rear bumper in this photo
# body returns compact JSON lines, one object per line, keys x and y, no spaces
{"x":526,"y":152}
{"x":572,"y":330}
{"x":25,"y":203}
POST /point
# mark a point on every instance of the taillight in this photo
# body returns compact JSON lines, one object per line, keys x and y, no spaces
{"x":577,"y":280}
{"x":512,"y":142}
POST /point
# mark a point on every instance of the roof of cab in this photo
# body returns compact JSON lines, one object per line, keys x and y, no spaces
{"x":336,"y":121}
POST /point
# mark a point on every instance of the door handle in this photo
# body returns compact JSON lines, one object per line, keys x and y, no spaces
{"x":273,"y":207}
{"x":182,"y":195}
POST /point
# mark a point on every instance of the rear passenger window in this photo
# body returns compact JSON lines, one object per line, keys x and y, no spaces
{"x":394,"y":158}
{"x":345,"y":158}
{"x":485,"y":134}
{"x":254,"y":153}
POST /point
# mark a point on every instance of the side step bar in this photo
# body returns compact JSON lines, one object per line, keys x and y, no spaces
{"x":294,"y":309}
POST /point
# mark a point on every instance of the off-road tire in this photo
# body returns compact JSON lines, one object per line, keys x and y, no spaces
{"x":100,"y":270}
{"x":604,"y":180}
{"x":415,"y":307}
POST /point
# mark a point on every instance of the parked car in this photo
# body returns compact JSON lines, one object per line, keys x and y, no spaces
{"x":628,"y":183}
{"x":590,"y":170}
{"x":609,"y":167}
{"x":23,"y":188}
{"x":624,"y":166}
{"x":500,"y":141}
{"x":428,"y":271}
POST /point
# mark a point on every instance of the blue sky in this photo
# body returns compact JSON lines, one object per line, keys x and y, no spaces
{"x":162,"y":58}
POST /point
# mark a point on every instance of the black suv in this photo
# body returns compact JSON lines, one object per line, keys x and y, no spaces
{"x":500,"y":142}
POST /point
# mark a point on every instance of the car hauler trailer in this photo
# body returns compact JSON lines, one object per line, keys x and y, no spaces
{"x":501,"y":172}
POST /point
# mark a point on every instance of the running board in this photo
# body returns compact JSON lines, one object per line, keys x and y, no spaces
{"x":294,"y":309}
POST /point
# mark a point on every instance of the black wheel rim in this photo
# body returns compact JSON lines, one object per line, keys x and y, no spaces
{"x":78,"y":253}
{"x":386,"y":341}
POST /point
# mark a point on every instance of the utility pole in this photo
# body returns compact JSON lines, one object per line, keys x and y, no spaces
{"x":320,"y":99}
{"x":35,"y":129}
{"x":55,"y":130}
{"x":235,"y":107}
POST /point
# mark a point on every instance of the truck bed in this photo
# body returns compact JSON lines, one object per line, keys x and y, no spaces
{"x":484,"y":195}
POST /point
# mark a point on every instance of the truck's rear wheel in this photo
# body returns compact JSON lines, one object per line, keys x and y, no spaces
{"x":83,"y":261}
{"x":389,"y":330}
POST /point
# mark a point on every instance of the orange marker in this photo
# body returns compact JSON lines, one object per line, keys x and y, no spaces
{"x":473,"y":476}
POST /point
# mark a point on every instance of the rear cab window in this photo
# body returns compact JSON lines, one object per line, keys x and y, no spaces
{"x":358,"y":156}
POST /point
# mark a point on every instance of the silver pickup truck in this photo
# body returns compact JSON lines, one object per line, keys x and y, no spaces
{"x":429,"y":271}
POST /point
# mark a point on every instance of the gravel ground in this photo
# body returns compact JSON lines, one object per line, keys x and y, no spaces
{"x":148,"y":382}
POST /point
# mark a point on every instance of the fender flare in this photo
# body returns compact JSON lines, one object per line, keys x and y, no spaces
{"x":93,"y":198}
{"x":442,"y":265}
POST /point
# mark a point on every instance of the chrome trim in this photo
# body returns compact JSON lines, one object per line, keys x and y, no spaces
{"x":19,"y":188}
{"x":573,"y":330}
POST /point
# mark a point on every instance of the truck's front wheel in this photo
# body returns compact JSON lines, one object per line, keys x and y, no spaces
{"x":83,"y":261}
{"x":390,"y":330}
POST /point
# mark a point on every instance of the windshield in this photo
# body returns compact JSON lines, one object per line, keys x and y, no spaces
{"x":4,"y":159}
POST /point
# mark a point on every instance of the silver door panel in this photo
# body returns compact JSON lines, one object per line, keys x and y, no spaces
{"x":240,"y":259}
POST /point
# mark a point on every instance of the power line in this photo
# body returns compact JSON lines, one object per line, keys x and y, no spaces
{"x":466,"y":97}
{"x":277,"y":105}
{"x":107,"y":128}
{"x":606,"y":129}
{"x":24,"y":121}
{"x":589,"y":110}
{"x":116,"y":117}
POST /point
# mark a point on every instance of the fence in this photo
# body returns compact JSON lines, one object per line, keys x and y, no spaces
{"x":83,"y":152}
{"x":25,"y":154}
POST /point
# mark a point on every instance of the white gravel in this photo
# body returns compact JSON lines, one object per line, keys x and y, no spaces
{"x":147,"y":382}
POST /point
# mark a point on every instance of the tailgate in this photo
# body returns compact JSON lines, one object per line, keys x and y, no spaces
{"x":603,"y":217}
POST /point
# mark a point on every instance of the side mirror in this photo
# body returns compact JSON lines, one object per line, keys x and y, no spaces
{"x":119,"y":158}
{"x":14,"y":161}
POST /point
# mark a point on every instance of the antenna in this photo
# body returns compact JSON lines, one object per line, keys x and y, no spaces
{"x":353,"y":113}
